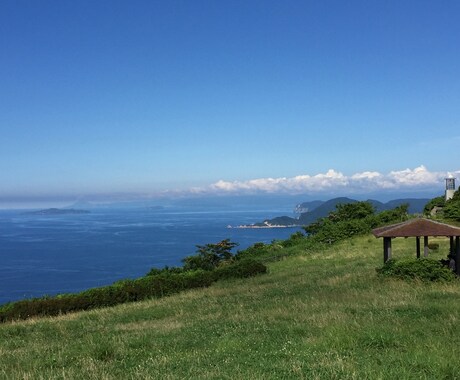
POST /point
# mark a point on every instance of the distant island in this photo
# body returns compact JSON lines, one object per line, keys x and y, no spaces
{"x":58,"y":211}
{"x":309,"y":212}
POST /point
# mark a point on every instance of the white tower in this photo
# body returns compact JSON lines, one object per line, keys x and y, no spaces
{"x":450,"y":187}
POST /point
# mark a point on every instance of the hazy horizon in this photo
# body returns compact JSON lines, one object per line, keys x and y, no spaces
{"x":223,"y":200}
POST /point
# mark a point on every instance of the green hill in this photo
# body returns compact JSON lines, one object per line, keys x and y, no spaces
{"x":317,"y":314}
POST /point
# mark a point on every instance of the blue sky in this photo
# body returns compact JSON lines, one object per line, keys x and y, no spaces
{"x":141,"y":97}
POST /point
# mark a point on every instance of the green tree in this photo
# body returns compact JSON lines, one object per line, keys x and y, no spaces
{"x":398,"y":214}
{"x":209,"y":256}
{"x":348,"y":211}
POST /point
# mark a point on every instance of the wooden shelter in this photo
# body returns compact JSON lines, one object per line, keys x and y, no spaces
{"x":417,"y":228}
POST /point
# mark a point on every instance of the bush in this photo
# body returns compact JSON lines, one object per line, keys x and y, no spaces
{"x":293,"y":240}
{"x":421,"y":269}
{"x":245,"y":267}
{"x":433,"y":246}
{"x":398,"y":214}
{"x":255,"y":250}
{"x":327,"y":232}
{"x":273,"y":251}
{"x":166,"y":269}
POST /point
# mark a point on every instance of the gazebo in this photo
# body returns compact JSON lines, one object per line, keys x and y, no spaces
{"x":417,"y":228}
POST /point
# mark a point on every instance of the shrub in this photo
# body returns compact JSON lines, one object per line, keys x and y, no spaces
{"x":255,"y":250}
{"x":166,"y":269}
{"x":397,"y":214}
{"x":421,"y":269}
{"x":327,"y":231}
{"x":246,"y":267}
{"x":433,"y":246}
{"x":293,"y":240}
{"x":258,"y":251}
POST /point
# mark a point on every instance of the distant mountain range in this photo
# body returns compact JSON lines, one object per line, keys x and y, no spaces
{"x":309,"y":212}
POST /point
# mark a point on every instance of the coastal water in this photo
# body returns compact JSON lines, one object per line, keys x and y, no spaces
{"x":52,"y":254}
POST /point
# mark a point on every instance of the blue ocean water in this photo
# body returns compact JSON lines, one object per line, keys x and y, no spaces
{"x":47,"y":255}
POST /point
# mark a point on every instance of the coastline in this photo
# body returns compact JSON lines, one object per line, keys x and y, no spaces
{"x":265,"y":226}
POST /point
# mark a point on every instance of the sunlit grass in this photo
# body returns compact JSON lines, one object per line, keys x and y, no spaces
{"x":316,"y":315}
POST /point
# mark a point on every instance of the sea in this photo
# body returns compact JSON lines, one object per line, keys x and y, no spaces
{"x":54,"y":254}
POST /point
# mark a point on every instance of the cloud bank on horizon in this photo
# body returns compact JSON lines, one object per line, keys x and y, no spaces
{"x":332,"y":180}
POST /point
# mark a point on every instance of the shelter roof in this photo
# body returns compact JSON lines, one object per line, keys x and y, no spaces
{"x":416,"y":227}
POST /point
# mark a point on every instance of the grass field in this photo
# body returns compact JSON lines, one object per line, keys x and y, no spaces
{"x":316,"y":315}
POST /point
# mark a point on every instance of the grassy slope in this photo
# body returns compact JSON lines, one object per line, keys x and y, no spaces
{"x":316,"y":315}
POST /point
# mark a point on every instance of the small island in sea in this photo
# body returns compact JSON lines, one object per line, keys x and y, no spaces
{"x":58,"y":211}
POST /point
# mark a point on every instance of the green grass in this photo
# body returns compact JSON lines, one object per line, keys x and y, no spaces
{"x":316,"y":315}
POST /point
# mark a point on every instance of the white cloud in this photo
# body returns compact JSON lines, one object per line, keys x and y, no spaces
{"x":416,"y":176}
{"x":366,"y":175}
{"x":332,"y":180}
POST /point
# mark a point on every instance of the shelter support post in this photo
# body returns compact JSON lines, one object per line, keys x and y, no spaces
{"x":425,"y":246}
{"x":452,"y":247}
{"x":386,"y":249}
{"x":457,"y":255}
{"x":417,"y":241}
